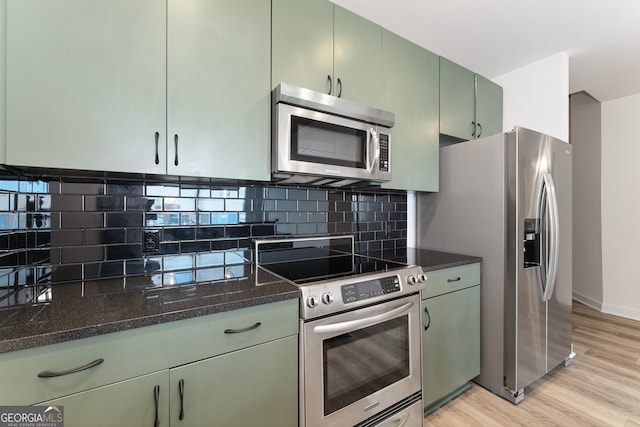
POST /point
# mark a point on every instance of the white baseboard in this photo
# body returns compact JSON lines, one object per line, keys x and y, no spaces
{"x":629,"y":313}
{"x":587,"y":300}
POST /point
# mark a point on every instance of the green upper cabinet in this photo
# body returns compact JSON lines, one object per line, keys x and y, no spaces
{"x":321,"y":46}
{"x":86,"y":84}
{"x":218,"y":94}
{"x":140,"y":85}
{"x":302,"y":43}
{"x":410,"y":89}
{"x":457,"y":100}
{"x":357,"y":56}
{"x":488,"y":106}
{"x":470,"y":105}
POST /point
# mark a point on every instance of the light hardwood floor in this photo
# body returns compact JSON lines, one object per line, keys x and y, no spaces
{"x":600,"y":388}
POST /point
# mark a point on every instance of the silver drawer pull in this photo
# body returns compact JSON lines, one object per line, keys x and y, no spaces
{"x":51,"y":374}
{"x":239,"y":331}
{"x":457,"y":279}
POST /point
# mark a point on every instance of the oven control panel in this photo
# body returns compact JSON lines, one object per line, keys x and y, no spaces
{"x":349,"y":293}
{"x":370,"y":289}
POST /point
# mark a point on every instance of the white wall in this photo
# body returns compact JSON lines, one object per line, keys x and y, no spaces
{"x":586,"y":135}
{"x":621,"y":206}
{"x":536,"y":96}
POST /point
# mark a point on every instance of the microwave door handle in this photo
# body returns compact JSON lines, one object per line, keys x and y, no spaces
{"x":375,"y":141}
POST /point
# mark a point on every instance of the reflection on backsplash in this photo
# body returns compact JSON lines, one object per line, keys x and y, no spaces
{"x":65,"y":229}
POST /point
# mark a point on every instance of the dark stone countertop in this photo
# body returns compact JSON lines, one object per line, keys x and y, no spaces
{"x":428,"y":259}
{"x":85,"y":309}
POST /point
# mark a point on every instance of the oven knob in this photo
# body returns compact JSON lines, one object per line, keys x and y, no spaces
{"x":412,"y":280}
{"x":422,"y":278}
{"x":312,"y":301}
{"x":327,"y":298}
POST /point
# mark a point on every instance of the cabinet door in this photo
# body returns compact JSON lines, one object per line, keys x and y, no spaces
{"x":256,"y":386}
{"x":218,"y":88}
{"x":410,"y":89}
{"x":127,"y":403}
{"x":357,"y":58}
{"x":302,"y":43}
{"x":3,"y":80}
{"x":451,"y":342}
{"x":457,"y":100}
{"x":488,"y":106}
{"x":86,"y":84}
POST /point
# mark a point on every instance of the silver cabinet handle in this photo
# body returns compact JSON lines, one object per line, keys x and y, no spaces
{"x":330,"y":84}
{"x":181,"y":390}
{"x":457,"y":279}
{"x":339,"y":88}
{"x":427,"y":318}
{"x":156,"y":398}
{"x":51,"y":374}
{"x":175,"y":140}
{"x":157,"y":138}
{"x":479,"y":133}
{"x":247,"y":329}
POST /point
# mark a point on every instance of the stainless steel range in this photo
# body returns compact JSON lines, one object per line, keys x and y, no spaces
{"x":359,"y":332}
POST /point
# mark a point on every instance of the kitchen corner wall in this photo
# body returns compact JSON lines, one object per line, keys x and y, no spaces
{"x":620,"y":206}
{"x":68,"y":229}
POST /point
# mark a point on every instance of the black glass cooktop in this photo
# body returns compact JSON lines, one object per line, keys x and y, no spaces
{"x":316,"y":260}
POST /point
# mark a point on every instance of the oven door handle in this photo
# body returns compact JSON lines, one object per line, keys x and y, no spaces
{"x":351,"y":325}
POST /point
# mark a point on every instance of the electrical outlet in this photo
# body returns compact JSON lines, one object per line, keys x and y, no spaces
{"x":151,"y":242}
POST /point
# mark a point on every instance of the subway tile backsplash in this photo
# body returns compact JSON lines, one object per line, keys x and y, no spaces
{"x":68,"y":229}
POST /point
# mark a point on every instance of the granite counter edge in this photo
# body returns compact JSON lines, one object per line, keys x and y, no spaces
{"x":470,"y":260}
{"x":44,"y":339}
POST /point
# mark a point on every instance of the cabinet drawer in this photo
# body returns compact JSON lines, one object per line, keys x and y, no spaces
{"x":139,"y":351}
{"x":224,"y":332}
{"x":451,"y":279}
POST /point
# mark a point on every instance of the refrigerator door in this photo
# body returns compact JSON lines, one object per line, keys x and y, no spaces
{"x":525,"y":310}
{"x":538,"y":285}
{"x":559,"y":325}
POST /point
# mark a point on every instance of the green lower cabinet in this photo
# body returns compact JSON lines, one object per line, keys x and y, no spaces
{"x":256,"y":386}
{"x":450,"y":344}
{"x":130,"y":403}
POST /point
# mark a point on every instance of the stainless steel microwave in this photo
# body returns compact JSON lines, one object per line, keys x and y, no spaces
{"x":321,"y":139}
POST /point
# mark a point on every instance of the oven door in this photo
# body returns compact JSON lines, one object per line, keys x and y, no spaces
{"x":320,"y":144}
{"x":356,"y":364}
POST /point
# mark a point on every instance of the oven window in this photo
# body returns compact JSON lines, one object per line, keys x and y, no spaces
{"x":327,"y":143}
{"x":359,"y":363}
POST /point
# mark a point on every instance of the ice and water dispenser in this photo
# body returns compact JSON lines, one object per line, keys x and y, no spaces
{"x":532,"y":240}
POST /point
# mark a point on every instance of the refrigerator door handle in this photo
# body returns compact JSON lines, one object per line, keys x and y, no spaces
{"x":549,"y":190}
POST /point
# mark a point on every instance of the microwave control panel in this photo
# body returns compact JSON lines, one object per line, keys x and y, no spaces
{"x":384,"y":152}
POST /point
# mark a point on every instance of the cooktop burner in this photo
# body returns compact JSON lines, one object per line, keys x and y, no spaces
{"x":332,"y":277}
{"x":307,"y":265}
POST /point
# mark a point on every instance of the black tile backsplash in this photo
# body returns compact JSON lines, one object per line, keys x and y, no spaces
{"x":68,"y":229}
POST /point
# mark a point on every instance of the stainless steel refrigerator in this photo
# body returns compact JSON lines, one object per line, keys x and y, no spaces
{"x":507,"y":199}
